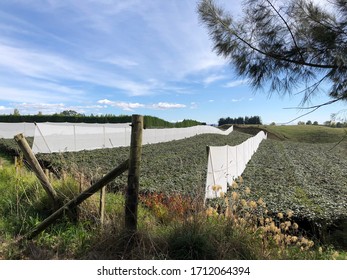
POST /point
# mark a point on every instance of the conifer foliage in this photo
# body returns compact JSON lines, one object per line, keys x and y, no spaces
{"x":290,"y":44}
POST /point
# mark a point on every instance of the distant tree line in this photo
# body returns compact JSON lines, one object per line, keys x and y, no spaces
{"x":326,"y":123}
{"x":240,"y":120}
{"x":74,"y":117}
{"x":150,"y":121}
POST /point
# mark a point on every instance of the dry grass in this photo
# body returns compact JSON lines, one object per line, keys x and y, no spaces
{"x":169,"y":227}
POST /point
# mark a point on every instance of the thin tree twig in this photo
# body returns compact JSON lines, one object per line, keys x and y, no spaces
{"x":313,"y":108}
{"x":338,"y":143}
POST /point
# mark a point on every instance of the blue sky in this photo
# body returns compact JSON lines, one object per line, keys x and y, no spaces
{"x":148,"y":57}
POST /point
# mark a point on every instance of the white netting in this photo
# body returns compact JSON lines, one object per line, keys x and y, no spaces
{"x":62,"y":137}
{"x":152,"y":136}
{"x":225,"y":163}
{"x":9,"y":130}
{"x":67,"y":137}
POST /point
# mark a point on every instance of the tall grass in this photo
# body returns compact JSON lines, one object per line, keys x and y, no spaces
{"x":169,"y":227}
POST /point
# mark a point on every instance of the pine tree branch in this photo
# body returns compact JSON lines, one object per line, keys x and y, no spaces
{"x":312,"y":108}
{"x":289,"y":29}
{"x":280,"y":57}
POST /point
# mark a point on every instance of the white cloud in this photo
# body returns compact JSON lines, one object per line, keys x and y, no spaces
{"x":241,"y":99}
{"x":236,"y":83}
{"x":212,"y":78}
{"x":236,"y":100}
{"x":123,"y":62}
{"x":126,"y":106}
{"x":193,"y":105}
{"x":105,"y":101}
{"x":24,"y":95}
{"x":166,"y":45}
{"x":130,"y":106}
{"x":6,"y":110}
{"x":44,"y":69}
{"x":165,"y":106}
{"x":51,"y":108}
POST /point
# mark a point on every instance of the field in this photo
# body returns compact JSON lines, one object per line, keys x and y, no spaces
{"x":173,"y":167}
{"x":305,"y":173}
{"x":309,"y":179}
{"x":299,"y":168}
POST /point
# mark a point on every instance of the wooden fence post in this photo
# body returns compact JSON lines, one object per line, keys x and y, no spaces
{"x":81,"y":182}
{"x":30,"y":157}
{"x":102,"y":205}
{"x":131,"y":199}
{"x":80,"y":198}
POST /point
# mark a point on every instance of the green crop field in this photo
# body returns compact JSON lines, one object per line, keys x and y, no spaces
{"x":173,"y":167}
{"x":298,"y":133}
{"x":305,"y":173}
{"x":303,"y":170}
{"x":298,"y":168}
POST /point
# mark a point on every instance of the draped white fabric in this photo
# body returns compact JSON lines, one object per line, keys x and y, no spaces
{"x":67,"y":137}
{"x":225,"y":163}
{"x":62,"y":137}
{"x":9,"y":130}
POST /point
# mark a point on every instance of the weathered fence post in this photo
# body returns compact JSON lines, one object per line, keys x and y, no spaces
{"x":131,"y":199}
{"x":30,"y":157}
{"x":102,"y":205}
{"x":80,"y":198}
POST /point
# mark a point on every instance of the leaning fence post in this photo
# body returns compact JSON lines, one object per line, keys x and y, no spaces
{"x":80,"y":198}
{"x":131,"y":199}
{"x":30,"y":157}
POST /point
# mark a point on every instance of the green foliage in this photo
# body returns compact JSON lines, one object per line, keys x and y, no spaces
{"x":173,"y":167}
{"x":307,"y":178}
{"x":286,"y":43}
{"x":191,"y":241}
{"x":306,"y":133}
{"x":240,"y":120}
{"x":152,"y":122}
{"x":193,"y":235}
{"x":18,"y":200}
{"x":74,"y":117}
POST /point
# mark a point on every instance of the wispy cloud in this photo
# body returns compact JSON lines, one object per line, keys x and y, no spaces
{"x":165,"y":106}
{"x":122,"y":62}
{"x":153,"y":52}
{"x":193,"y":105}
{"x":241,"y":99}
{"x":126,"y":106}
{"x":6,"y":110}
{"x":13,"y":94}
{"x":236,"y":100}
{"x":51,"y":108}
{"x":212,"y":78}
{"x":236,"y":83}
{"x":131,"y":106}
{"x":44,"y":67}
{"x":169,"y":51}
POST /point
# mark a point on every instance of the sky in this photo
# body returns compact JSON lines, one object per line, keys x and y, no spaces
{"x":150,"y":57}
